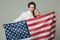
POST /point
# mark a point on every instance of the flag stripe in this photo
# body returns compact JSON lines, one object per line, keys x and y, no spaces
{"x":42,"y":37}
{"x":40,"y":32}
{"x":41,"y":16}
{"x":41,"y":28}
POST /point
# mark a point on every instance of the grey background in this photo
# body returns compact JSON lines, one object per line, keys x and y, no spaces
{"x":11,"y":9}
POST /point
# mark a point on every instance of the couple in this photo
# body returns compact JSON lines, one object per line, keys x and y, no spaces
{"x":31,"y":13}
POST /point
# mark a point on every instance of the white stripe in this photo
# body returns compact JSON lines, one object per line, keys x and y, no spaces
{"x":39,"y":35}
{"x":50,"y":21}
{"x":36,"y":26}
{"x":52,"y":35}
{"x":41,"y":24}
{"x":43,"y":34}
{"x":33,"y":21}
{"x":45,"y":28}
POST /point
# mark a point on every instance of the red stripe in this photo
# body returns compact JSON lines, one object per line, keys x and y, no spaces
{"x":43,"y":31}
{"x":41,"y":16}
{"x":54,"y":16}
{"x":39,"y":22}
{"x":54,"y":21}
{"x":46,"y":36}
{"x":37,"y":28}
{"x":52,"y":38}
{"x":46,"y":25}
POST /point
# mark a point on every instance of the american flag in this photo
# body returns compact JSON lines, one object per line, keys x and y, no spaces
{"x":39,"y":28}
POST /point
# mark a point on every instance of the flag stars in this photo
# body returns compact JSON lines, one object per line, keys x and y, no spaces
{"x":16,"y":31}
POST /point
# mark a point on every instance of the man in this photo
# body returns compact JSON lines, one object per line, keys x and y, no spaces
{"x":28,"y":14}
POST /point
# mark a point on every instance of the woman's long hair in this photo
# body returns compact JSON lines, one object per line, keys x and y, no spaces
{"x":34,"y":14}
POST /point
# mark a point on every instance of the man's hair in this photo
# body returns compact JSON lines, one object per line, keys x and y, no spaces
{"x":31,"y":3}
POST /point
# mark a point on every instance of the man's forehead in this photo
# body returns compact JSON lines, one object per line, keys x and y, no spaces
{"x":31,"y":5}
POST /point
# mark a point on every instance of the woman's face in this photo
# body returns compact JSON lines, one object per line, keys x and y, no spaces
{"x":36,"y":13}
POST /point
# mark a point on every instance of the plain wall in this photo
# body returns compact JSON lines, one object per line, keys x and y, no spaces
{"x":11,"y":9}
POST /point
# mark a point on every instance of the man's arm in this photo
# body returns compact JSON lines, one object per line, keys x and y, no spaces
{"x":19,"y":18}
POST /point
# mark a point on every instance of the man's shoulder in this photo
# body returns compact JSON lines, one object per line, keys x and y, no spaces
{"x":25,"y":12}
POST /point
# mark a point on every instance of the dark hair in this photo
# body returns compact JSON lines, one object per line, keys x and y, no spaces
{"x":32,"y":4}
{"x":34,"y":14}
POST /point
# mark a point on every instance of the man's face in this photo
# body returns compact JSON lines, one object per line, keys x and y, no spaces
{"x":31,"y":8}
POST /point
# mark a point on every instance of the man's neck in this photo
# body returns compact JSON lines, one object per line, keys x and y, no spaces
{"x":30,"y":11}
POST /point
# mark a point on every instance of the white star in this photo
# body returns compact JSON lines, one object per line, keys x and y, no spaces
{"x":11,"y":35}
{"x":11,"y":39}
{"x":16,"y":38}
{"x":11,"y":30}
{"x":21,"y":35}
{"x":15,"y":29}
{"x":24,"y":31}
{"x":27,"y":35}
{"x":7,"y":30}
{"x":18,"y":34}
{"x":25,"y":25}
{"x":23,"y":22}
{"x":19,"y":23}
{"x":15,"y":34}
{"x":16,"y":24}
{"x":12,"y":24}
{"x":7,"y":25}
{"x":8,"y":34}
{"x":19,"y":28}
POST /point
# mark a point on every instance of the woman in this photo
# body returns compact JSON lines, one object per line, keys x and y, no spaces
{"x":36,"y":13}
